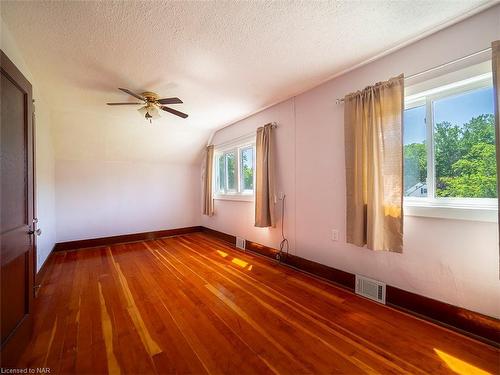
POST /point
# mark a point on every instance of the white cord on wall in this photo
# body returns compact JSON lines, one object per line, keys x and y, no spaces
{"x":284,"y":240}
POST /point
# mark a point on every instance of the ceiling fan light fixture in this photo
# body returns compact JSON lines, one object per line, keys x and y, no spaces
{"x":153,"y":111}
{"x":149,"y":112}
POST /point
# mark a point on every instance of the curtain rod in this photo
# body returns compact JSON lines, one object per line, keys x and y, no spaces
{"x":341,"y":100}
{"x":274,"y":125}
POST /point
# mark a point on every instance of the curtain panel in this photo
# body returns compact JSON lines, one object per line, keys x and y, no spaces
{"x":208,"y":200}
{"x":373,"y":121}
{"x":264,"y":178}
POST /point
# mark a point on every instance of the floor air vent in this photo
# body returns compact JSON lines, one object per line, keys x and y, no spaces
{"x":370,"y":288}
{"x":240,"y":243}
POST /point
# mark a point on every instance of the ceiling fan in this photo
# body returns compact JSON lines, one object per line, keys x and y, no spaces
{"x":152,"y":104}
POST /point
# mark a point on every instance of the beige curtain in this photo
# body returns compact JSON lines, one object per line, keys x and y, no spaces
{"x":208,"y":201}
{"x":264,"y":178}
{"x":373,"y":121}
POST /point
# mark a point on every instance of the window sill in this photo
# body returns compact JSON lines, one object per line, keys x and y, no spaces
{"x":235,"y":197}
{"x":449,"y":211}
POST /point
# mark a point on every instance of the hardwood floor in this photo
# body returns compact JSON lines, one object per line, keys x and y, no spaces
{"x":193,"y":304}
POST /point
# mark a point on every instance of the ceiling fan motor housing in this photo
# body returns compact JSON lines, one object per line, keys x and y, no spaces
{"x":150,"y":96}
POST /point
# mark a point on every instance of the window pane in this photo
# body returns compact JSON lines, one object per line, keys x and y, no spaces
{"x":247,"y":169}
{"x":221,"y":178}
{"x":231,"y":170}
{"x":415,"y":153}
{"x":464,"y":141}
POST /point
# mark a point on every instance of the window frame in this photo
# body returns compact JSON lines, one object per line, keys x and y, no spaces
{"x":480,"y":209}
{"x":239,"y":194}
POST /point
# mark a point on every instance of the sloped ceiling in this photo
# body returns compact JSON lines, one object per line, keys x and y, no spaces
{"x":224,"y":59}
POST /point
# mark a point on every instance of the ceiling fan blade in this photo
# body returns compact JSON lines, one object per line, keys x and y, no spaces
{"x":175,"y":112}
{"x":133,"y":94}
{"x":123,"y":103}
{"x":170,"y":101}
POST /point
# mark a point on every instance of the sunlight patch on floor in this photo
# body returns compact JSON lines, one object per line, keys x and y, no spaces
{"x":458,"y":365}
{"x":221,"y":253}
{"x":236,"y":261}
{"x":239,"y":262}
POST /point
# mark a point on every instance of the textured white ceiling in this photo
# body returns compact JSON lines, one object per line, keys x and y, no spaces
{"x":224,"y":59}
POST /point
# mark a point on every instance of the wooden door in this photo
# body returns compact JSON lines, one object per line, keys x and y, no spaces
{"x":16,"y":222}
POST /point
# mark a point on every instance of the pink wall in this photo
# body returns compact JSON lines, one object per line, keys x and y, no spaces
{"x":98,"y":198}
{"x":455,"y":261}
{"x":237,"y":217}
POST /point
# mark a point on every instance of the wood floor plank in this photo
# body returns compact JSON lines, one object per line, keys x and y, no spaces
{"x":264,"y":344}
{"x":253,"y":303}
{"x":195,"y":305}
{"x":407,"y":330}
{"x":319,"y":330}
{"x":313,"y":317}
{"x":215,"y":331}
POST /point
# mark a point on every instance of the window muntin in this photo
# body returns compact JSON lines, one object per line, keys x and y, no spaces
{"x":235,"y":171}
{"x":415,"y":152}
{"x":455,"y":127}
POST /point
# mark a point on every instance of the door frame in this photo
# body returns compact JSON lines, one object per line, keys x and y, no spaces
{"x":34,"y":223}
{"x":15,"y":343}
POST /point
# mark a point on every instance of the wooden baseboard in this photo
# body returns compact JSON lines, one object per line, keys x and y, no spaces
{"x":106,"y":241}
{"x":467,"y":322}
{"x":40,"y":275}
{"x":221,"y":236}
{"x":342,"y":278}
{"x":470,"y":323}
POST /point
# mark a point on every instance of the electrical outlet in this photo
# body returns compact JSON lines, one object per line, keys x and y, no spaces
{"x":281,"y":195}
{"x":335,"y":235}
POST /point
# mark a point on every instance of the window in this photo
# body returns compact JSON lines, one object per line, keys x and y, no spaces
{"x":234,"y":172}
{"x":449,"y":145}
{"x":246,"y":169}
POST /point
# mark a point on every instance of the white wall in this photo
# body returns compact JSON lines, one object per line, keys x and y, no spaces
{"x":45,"y":185}
{"x":45,"y":180}
{"x":118,"y":175}
{"x":455,"y":261}
{"x":97,"y":198}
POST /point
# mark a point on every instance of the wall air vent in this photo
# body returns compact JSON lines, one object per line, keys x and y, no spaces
{"x":240,"y":243}
{"x":370,"y":288}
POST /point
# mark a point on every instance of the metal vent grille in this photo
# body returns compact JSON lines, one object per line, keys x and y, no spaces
{"x":240,"y":243}
{"x":370,"y":288}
